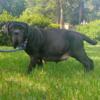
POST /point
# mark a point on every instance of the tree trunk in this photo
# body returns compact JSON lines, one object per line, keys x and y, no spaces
{"x":60,"y":16}
{"x":5,"y":5}
{"x":58,"y":11}
{"x":81,"y":9}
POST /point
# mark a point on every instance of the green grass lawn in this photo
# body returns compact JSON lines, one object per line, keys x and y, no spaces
{"x":63,"y":81}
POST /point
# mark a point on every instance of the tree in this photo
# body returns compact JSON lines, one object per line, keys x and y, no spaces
{"x":44,"y":7}
{"x":59,"y":11}
{"x":14,"y":7}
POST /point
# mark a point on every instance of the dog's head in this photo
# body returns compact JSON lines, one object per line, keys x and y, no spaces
{"x":17,"y":32}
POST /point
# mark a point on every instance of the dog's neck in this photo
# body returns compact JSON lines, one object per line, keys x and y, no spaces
{"x":34,"y":36}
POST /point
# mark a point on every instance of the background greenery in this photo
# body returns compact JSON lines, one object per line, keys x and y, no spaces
{"x":91,"y":29}
{"x":74,"y":11}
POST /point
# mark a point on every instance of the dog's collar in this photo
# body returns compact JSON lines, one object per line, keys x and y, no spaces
{"x":25,"y":44}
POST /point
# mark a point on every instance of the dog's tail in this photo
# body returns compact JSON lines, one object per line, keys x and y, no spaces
{"x":87,"y":39}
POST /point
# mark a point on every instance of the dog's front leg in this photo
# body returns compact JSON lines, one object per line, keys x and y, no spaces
{"x":32,"y":64}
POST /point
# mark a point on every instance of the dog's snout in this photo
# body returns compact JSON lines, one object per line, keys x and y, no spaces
{"x":16,"y":33}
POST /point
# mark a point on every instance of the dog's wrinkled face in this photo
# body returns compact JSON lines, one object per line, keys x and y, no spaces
{"x":17,"y":32}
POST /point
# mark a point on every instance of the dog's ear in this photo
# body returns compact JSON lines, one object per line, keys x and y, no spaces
{"x":27,"y":31}
{"x":2,"y":27}
{"x":5,"y":28}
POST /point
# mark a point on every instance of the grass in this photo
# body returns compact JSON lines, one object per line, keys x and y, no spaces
{"x":63,"y":81}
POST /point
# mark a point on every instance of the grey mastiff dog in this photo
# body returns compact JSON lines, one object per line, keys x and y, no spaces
{"x":48,"y":44}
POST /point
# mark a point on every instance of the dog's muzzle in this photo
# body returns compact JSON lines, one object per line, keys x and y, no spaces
{"x":23,"y":45}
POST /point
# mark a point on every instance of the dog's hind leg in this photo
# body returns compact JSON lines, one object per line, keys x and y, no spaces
{"x":40,"y":62}
{"x":82,"y":57}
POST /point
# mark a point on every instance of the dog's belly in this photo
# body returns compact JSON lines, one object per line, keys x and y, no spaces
{"x":56,"y":58}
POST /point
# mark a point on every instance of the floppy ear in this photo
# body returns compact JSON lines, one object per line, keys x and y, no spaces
{"x":1,"y":26}
{"x":5,"y":28}
{"x":27,"y":31}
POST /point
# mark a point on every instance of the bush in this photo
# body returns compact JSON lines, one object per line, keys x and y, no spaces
{"x":91,"y":29}
{"x":5,"y":16}
{"x":52,"y":25}
{"x":34,"y":19}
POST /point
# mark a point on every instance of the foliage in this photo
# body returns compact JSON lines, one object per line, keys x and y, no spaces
{"x":62,"y":81}
{"x":4,"y":40}
{"x":91,"y":29}
{"x":52,"y":25}
{"x":34,"y":19}
{"x":50,"y":8}
{"x":43,"y":7}
{"x":14,"y":7}
{"x":5,"y":16}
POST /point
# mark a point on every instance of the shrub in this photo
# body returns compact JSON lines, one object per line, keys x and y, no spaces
{"x":34,"y":19}
{"x":91,"y":29}
{"x":52,"y":25}
{"x":5,"y":16}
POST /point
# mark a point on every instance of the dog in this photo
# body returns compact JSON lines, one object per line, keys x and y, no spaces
{"x":48,"y":44}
